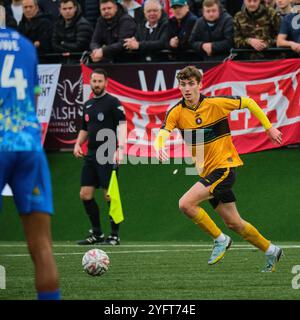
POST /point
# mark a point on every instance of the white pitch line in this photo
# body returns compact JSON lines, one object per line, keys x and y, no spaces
{"x":123,"y":245}
{"x":146,"y":245}
{"x":147,"y":251}
{"x":113,"y":252}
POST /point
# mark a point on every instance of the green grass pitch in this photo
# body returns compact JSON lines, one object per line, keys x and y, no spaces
{"x":157,"y":271}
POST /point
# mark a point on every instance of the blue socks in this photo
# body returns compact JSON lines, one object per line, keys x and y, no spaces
{"x":54,"y":295}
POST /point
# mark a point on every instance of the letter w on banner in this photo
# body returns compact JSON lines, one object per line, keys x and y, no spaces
{"x":273,"y":85}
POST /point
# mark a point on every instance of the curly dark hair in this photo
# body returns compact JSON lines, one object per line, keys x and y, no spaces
{"x":188,"y":73}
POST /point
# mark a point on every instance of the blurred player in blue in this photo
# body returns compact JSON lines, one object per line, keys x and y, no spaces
{"x":23,"y":164}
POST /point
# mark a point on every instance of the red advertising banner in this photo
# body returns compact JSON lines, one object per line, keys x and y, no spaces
{"x":273,"y":85}
{"x":66,"y":113}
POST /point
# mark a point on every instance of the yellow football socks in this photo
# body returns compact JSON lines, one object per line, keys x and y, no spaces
{"x":252,"y":235}
{"x":204,"y":222}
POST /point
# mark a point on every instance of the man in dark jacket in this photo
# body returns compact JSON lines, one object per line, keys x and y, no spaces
{"x":212,"y":35}
{"x":113,"y":26}
{"x":180,"y":26}
{"x":36,"y":26}
{"x":72,"y":32}
{"x":152,"y":35}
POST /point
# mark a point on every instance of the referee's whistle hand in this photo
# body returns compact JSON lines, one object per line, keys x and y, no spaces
{"x":78,"y":151}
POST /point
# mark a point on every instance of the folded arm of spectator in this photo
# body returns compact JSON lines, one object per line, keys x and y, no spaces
{"x":127,"y":29}
{"x":155,"y":45}
{"x":226,"y":43}
{"x":97,"y":55}
{"x":131,"y":44}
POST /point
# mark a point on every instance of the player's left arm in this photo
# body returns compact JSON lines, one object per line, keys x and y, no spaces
{"x":274,"y":134}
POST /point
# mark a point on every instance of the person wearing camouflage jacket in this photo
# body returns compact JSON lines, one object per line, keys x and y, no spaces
{"x":256,"y":26}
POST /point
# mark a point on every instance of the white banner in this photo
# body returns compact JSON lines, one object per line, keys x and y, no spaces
{"x":48,"y":79}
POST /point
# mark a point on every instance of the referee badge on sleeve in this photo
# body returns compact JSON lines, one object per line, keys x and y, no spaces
{"x":86,"y":118}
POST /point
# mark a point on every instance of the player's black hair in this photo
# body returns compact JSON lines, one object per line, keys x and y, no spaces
{"x":100,"y":71}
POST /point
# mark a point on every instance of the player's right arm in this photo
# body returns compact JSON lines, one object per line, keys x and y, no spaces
{"x":160,"y":142}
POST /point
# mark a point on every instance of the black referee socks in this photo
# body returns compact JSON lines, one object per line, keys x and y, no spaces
{"x":92,"y":210}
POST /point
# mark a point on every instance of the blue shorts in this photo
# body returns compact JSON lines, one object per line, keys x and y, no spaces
{"x":28,"y":175}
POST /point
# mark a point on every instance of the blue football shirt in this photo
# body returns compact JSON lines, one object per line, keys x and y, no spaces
{"x":19,"y":127}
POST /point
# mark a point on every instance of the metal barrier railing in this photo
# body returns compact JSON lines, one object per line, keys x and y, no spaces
{"x":169,"y":56}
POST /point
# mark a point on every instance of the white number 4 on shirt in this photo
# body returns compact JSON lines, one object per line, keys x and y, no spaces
{"x":16,"y":81}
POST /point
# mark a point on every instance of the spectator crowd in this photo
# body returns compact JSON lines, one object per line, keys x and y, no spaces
{"x":137,"y":30}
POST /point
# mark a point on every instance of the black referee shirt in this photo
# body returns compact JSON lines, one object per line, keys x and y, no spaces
{"x":103,"y":112}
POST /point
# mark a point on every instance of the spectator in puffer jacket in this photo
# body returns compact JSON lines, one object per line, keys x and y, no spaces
{"x":212,"y":35}
{"x":113,"y":26}
{"x":72,"y":32}
{"x":36,"y":26}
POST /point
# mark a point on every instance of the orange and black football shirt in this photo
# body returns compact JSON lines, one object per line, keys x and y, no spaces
{"x":208,"y":120}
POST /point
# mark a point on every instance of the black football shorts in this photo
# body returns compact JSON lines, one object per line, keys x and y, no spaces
{"x":220,"y":181}
{"x":94,"y":174}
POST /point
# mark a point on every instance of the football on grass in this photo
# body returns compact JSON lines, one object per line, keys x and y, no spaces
{"x":95,"y":262}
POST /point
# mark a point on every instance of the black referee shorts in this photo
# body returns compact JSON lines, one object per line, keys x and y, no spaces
{"x":220,"y":182}
{"x":94,"y":174}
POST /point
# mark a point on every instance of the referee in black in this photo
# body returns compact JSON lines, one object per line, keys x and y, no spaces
{"x":104,"y":126}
